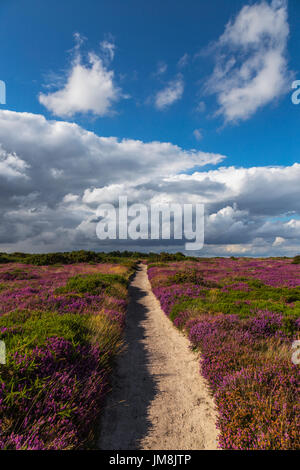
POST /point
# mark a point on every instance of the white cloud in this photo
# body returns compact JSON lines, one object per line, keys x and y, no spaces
{"x":198,"y":134}
{"x":69,"y":198}
{"x":201,"y":107}
{"x":247,"y":209}
{"x":56,"y":151}
{"x":183,"y":61}
{"x":278,"y":241}
{"x":56,"y":173}
{"x":108,"y":49}
{"x":262,"y":190}
{"x":11,"y":166}
{"x":251,"y":68}
{"x":170,"y":94}
{"x":161,"y":68}
{"x":89,"y":88}
{"x":69,"y":171}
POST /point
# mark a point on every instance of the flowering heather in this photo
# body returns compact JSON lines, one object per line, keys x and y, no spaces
{"x":31,"y":287}
{"x":244,"y":325}
{"x":62,"y":326}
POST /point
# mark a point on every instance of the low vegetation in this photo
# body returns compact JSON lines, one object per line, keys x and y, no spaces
{"x":62,"y":327}
{"x":83,"y":256}
{"x":243,"y":315}
{"x":62,"y":317}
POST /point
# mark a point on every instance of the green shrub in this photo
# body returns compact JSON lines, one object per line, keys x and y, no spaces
{"x":191,"y":277}
{"x":28,"y":328}
{"x":92,"y":283}
{"x":73,"y":257}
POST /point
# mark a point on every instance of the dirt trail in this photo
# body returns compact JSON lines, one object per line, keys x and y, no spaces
{"x":158,"y":400}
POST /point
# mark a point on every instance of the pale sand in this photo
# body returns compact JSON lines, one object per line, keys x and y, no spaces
{"x":158,"y":400}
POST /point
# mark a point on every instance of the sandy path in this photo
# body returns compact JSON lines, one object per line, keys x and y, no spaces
{"x":158,"y":399}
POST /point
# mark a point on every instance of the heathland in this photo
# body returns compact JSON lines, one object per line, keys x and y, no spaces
{"x":62,"y":319}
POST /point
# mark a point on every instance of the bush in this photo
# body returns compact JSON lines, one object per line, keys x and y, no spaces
{"x":92,"y":283}
{"x":191,"y":277}
{"x":73,"y":257}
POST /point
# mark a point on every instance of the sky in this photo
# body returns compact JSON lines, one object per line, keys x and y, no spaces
{"x":179,"y":101}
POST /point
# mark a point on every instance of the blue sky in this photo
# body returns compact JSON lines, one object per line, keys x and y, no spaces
{"x":150,"y":52}
{"x":146,"y":33}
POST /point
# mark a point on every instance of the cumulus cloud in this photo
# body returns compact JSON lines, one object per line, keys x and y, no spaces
{"x":170,"y":94}
{"x":11,"y":166}
{"x":70,"y":198}
{"x":68,"y":170}
{"x":278,"y":241}
{"x":251,"y":68}
{"x":89,"y":87}
{"x":57,"y":148}
{"x":245,"y":207}
{"x":54,"y":174}
{"x":264,"y":191}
